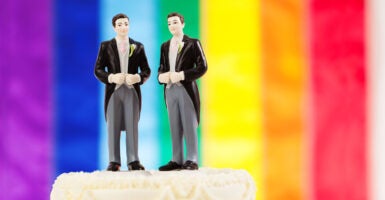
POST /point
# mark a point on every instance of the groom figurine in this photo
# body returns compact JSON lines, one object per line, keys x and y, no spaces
{"x":117,"y":66}
{"x":182,"y":62}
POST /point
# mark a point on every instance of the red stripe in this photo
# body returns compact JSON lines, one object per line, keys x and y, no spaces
{"x":339,"y":99}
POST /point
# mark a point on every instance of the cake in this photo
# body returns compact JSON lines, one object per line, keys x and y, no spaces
{"x":205,"y":183}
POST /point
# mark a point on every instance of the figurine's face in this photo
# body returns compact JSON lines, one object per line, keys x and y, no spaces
{"x":175,"y":26}
{"x":121,"y":27}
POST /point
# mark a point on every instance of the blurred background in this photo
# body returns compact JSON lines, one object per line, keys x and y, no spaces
{"x":294,"y":92}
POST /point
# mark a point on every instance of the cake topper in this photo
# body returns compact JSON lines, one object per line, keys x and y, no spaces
{"x":117,"y":66}
{"x":182,"y":62}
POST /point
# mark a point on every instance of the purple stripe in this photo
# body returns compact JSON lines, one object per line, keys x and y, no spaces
{"x":25,"y":100}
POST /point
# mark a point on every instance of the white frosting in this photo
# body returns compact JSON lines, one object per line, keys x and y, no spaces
{"x":205,"y":183}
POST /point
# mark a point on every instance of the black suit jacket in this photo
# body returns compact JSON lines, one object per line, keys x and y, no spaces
{"x":108,"y":63}
{"x":192,"y":61}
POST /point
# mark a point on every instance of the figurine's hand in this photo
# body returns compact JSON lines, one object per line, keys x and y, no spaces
{"x":116,"y":78}
{"x":132,"y":79}
{"x":176,"y":76}
{"x":164,"y":78}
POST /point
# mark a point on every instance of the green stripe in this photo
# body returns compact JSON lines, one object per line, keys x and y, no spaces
{"x":190,"y":11}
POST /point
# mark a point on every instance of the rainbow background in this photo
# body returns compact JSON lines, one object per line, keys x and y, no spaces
{"x":294,"y":92}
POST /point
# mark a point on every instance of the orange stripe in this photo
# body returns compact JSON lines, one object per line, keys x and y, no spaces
{"x":284,"y":92}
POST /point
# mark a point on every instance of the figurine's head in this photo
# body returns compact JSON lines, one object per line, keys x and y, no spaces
{"x":175,"y":23}
{"x":121,"y":24}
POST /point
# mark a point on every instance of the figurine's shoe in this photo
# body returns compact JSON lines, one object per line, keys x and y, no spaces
{"x":170,"y":166}
{"x":113,"y":166}
{"x":190,"y":165}
{"x":135,"y":165}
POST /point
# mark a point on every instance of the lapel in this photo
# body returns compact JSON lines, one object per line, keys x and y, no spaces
{"x":166,"y":52}
{"x":131,"y":42}
{"x":116,"y":54}
{"x":178,"y":55}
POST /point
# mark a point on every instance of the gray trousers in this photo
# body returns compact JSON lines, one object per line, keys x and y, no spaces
{"x":123,"y":114}
{"x":183,"y":123}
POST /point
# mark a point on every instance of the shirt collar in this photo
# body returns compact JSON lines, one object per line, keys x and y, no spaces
{"x":177,"y":39}
{"x":121,"y":41}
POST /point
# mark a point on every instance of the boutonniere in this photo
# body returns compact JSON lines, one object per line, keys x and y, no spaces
{"x":180,"y":46}
{"x":132,"y":48}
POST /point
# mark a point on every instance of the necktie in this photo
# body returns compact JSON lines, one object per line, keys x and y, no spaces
{"x":123,"y":47}
{"x":174,"y":46}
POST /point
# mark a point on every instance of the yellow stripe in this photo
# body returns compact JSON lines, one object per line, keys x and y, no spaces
{"x":284,"y":98}
{"x":231,"y":102}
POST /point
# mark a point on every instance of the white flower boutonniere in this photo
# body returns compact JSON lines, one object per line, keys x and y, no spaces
{"x":180,"y":46}
{"x":132,"y":49}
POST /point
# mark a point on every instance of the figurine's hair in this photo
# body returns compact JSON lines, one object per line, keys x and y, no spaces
{"x":119,"y":16}
{"x":173,"y":14}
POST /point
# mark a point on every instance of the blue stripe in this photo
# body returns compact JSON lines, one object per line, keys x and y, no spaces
{"x":142,"y":16}
{"x":76,"y":89}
